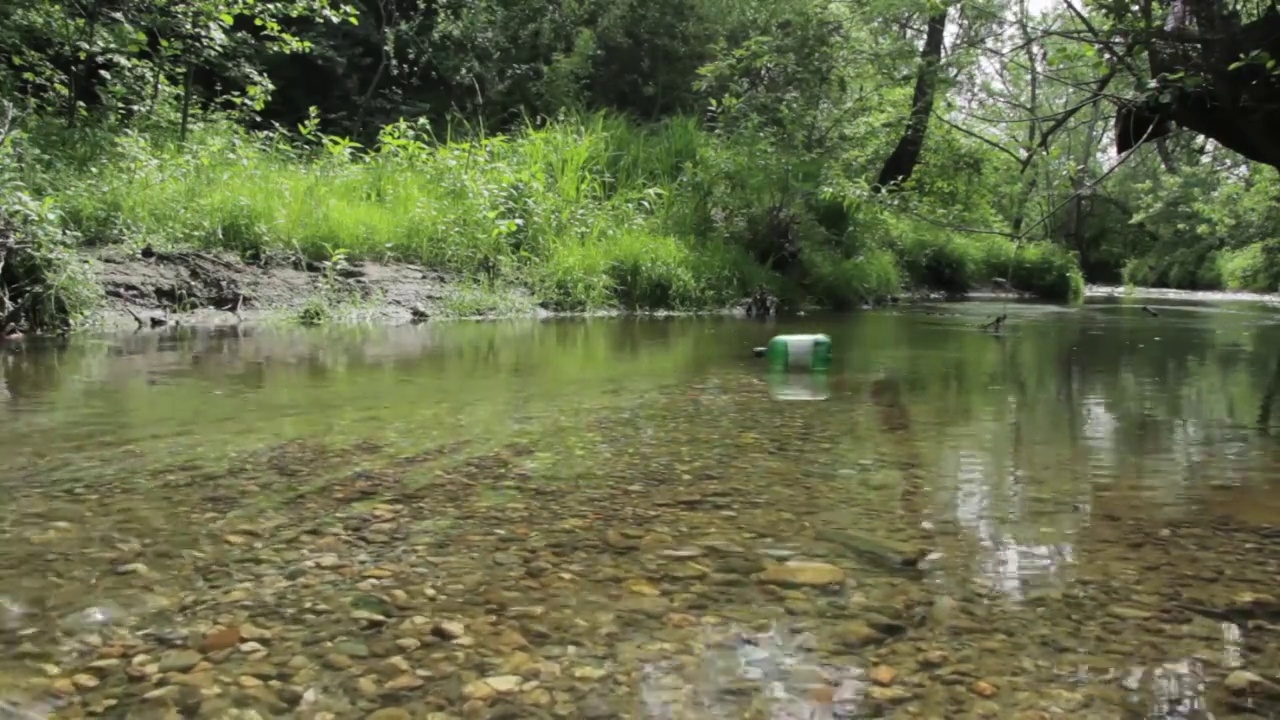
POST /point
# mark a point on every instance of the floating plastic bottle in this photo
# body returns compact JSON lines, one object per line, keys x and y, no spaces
{"x":799,"y":352}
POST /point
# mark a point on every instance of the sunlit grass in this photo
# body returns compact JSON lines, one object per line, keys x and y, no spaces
{"x":589,"y":213}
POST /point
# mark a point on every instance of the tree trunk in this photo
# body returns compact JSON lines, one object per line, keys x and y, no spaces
{"x":902,"y":162}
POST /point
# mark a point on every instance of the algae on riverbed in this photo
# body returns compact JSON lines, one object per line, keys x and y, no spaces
{"x":597,"y":519}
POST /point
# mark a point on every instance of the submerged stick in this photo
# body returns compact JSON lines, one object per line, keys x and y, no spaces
{"x":994,"y":325}
{"x":135,"y":316}
{"x":236,"y":310}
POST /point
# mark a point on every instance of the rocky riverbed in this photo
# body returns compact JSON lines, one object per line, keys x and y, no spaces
{"x":627,"y":570}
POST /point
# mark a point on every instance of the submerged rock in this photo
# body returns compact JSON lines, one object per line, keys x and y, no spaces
{"x":802,"y":574}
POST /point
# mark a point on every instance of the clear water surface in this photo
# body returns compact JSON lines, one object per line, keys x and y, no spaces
{"x":634,"y":519}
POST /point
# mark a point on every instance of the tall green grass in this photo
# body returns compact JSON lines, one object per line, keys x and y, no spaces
{"x":589,"y":213}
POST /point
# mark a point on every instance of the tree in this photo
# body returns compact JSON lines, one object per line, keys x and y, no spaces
{"x":1212,"y":69}
{"x":906,"y":154}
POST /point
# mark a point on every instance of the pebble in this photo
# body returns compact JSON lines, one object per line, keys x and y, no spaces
{"x":681,"y":553}
{"x":643,"y":587}
{"x":221,"y":639}
{"x":802,"y":574}
{"x":883,"y":675}
{"x":405,"y":682}
{"x":585,"y":609}
{"x":478,"y":690}
{"x":854,"y":634}
{"x":888,"y":694}
{"x":1243,"y":682}
{"x":982,"y":688}
{"x":352,"y":648}
{"x":504,"y":683}
{"x":338,"y":661}
{"x":253,"y":632}
{"x":585,"y":672}
{"x":1128,"y":613}
{"x":449,"y":630}
{"x":179,"y":660}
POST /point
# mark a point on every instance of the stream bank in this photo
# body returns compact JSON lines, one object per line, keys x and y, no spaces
{"x":198,"y":288}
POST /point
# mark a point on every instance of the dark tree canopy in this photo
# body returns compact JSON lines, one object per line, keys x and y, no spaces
{"x":1214,"y":74}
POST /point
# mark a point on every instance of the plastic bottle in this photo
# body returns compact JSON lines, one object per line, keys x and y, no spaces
{"x":799,"y":352}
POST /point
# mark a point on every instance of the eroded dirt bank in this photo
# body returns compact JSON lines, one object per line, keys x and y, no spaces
{"x":194,"y":287}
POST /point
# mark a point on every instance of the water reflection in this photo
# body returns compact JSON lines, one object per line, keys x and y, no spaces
{"x":1006,"y":565}
{"x":790,"y":683}
{"x":799,"y":386}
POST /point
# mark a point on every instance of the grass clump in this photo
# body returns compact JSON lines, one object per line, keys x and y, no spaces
{"x":956,"y":264}
{"x":44,"y":283}
{"x":578,"y":211}
{"x":486,"y":300}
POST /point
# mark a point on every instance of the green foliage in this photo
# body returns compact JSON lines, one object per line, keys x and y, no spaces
{"x":1046,"y":270}
{"x":938,"y":261}
{"x":846,"y":283}
{"x":1255,"y":267}
{"x":120,"y":60}
{"x":1210,"y":225}
{"x":44,"y":283}
{"x":588,"y":213}
{"x":486,"y":299}
{"x":673,"y":154}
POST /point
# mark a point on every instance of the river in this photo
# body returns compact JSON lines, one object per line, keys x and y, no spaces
{"x":1077,"y":517}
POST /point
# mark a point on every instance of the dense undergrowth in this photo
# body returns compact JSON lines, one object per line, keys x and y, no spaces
{"x":589,"y":212}
{"x":1209,"y":231}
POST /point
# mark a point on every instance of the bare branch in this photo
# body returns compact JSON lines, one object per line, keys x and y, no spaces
{"x":1047,"y":135}
{"x":978,"y":137}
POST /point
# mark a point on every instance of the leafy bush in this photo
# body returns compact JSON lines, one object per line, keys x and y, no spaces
{"x":1254,"y":267}
{"x":44,"y":283}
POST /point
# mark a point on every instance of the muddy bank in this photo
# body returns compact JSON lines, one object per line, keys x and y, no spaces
{"x":206,"y":288}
